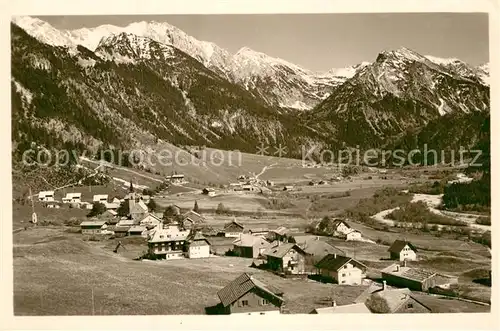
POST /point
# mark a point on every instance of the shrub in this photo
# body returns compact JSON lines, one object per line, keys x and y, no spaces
{"x":231,"y":252}
{"x":152,"y":206}
{"x":279,"y":203}
{"x":72,"y":222}
{"x":484,"y":220}
{"x":221,"y":209}
{"x":97,"y":209}
{"x":383,"y":199}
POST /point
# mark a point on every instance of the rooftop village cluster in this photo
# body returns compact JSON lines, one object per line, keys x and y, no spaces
{"x":186,"y":235}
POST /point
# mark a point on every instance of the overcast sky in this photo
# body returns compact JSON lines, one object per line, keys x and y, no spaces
{"x":324,"y":41}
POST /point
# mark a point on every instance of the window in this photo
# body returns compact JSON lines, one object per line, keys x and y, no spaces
{"x":410,"y":305}
{"x":343,"y":282}
{"x":343,"y":275}
{"x":265,"y":302}
{"x":345,"y":267}
{"x":244,"y":303}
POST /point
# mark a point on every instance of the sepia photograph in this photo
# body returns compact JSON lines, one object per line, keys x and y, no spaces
{"x":251,"y":164}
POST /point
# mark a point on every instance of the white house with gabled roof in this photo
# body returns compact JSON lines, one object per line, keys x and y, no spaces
{"x":46,"y":196}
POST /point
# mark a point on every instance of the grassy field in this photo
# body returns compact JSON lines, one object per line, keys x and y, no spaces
{"x":22,"y":215}
{"x":55,"y":273}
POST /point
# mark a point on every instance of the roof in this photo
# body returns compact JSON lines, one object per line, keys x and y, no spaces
{"x":193,"y":216}
{"x":99,"y":197}
{"x":338,"y":222}
{"x":320,"y":248}
{"x":73,"y":195}
{"x":233,"y":223}
{"x":372,"y":288}
{"x":346,"y":309}
{"x":126,"y":222}
{"x":112,"y":205}
{"x":248,"y":240}
{"x":398,"y":245}
{"x":153,"y":216}
{"x":93,"y":223}
{"x":177,"y":176}
{"x":139,"y":207}
{"x":335,"y":262}
{"x":281,"y":230}
{"x":281,"y":250}
{"x":388,"y":300}
{"x":254,"y":230}
{"x":45,"y":193}
{"x":418,"y":275}
{"x":121,"y":228}
{"x":137,"y":228}
{"x":445,"y":304}
{"x":197,"y":236}
{"x":242,"y":285}
{"x":167,"y":235}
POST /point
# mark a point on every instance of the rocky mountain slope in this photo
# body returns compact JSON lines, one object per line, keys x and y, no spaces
{"x":133,"y":91}
{"x":402,"y":90}
{"x":278,"y":82}
{"x":150,"y":82}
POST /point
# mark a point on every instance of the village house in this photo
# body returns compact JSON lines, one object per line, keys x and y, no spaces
{"x":318,"y":249}
{"x":359,"y":308}
{"x":342,"y":269}
{"x":46,"y":196}
{"x":351,"y":235}
{"x":145,"y":198}
{"x":192,"y":219}
{"x":250,"y":246}
{"x":340,"y":227}
{"x":209,"y":191}
{"x":415,"y":279}
{"x":288,"y":188}
{"x":120,"y":231}
{"x":138,"y":231}
{"x":395,"y":301}
{"x":280,"y":234}
{"x":197,"y":246}
{"x":262,"y":232}
{"x":168,"y":242}
{"x":403,"y":250}
{"x":124,"y":221}
{"x":102,"y":198}
{"x":248,"y":295}
{"x":93,"y":227}
{"x":248,"y":188}
{"x":288,"y":259}
{"x":233,"y":230}
{"x":151,"y":220}
{"x":175,"y":179}
{"x":72,"y":198}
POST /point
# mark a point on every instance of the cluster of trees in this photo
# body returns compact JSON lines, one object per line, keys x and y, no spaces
{"x":473,"y":196}
{"x":418,"y":212}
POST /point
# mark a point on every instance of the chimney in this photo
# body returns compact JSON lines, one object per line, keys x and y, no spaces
{"x":397,"y":268}
{"x":384,"y":284}
{"x":334,"y":303}
{"x":317,"y":237}
{"x":334,"y":255}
